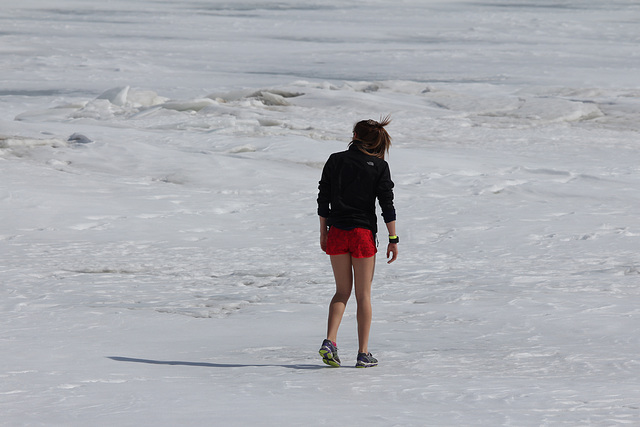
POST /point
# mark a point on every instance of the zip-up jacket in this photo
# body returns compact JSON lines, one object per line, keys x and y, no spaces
{"x":351,"y":182}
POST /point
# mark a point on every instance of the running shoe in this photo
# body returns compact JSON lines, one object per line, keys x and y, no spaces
{"x":366,"y":360}
{"x":329,"y":353}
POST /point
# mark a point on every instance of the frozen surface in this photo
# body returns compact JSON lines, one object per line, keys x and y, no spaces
{"x":160,"y":262}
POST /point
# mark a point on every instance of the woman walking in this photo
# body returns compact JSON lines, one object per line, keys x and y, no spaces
{"x":351,"y":182}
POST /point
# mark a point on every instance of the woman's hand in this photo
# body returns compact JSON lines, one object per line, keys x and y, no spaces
{"x":324,"y":232}
{"x":323,"y":240}
{"x":392,"y":249}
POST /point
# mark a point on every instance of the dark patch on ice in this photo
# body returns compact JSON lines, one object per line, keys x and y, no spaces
{"x":545,"y":171}
{"x":40,"y":92}
{"x":530,"y":5}
{"x":79,"y":138}
{"x":341,"y":75}
{"x":255,"y":6}
{"x":308,"y":39}
{"x":105,"y":270}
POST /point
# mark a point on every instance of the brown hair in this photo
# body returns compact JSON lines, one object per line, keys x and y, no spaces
{"x":371,"y":137}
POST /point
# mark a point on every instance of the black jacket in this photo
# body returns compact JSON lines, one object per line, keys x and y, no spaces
{"x":351,"y":181}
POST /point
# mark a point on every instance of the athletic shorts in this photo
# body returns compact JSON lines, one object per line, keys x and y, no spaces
{"x":358,"y":242}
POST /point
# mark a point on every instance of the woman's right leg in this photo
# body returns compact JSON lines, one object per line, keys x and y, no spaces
{"x":343,"y":274}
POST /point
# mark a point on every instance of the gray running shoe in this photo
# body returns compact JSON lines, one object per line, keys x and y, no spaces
{"x":366,"y":360}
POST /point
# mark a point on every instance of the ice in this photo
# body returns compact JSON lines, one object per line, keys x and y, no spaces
{"x":160,"y":261}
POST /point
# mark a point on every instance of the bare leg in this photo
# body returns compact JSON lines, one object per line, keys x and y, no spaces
{"x":342,"y":271}
{"x":363,"y":269}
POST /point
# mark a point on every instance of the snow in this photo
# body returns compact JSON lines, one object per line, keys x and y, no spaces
{"x":160,"y":259}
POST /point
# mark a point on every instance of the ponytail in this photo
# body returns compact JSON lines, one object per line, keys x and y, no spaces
{"x":371,"y":137}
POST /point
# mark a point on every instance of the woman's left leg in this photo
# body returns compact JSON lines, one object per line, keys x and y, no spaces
{"x":363,"y":269}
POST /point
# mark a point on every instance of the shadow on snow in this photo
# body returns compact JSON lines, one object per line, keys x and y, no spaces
{"x":210,"y":365}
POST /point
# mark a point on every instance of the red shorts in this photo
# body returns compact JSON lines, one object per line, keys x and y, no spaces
{"x":358,"y":242}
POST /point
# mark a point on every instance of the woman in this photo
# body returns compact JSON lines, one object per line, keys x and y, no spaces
{"x":351,"y":182}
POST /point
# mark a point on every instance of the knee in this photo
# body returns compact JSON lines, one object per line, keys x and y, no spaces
{"x":363,"y":298}
{"x":342,"y":297}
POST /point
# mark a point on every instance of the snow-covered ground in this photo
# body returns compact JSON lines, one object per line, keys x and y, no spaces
{"x":159,"y":246}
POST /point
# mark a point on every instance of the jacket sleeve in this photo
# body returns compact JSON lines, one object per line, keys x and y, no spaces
{"x":384,"y":193}
{"x":324,"y":190}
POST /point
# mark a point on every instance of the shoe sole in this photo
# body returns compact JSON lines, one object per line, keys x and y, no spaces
{"x":368,"y":365}
{"x":327,"y":357}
